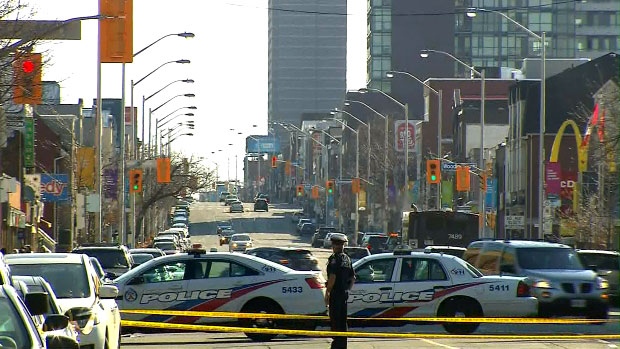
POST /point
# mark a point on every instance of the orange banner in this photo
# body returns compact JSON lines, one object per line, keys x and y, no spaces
{"x":163,"y":170}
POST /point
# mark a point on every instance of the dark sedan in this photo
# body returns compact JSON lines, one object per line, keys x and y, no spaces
{"x":294,"y":258}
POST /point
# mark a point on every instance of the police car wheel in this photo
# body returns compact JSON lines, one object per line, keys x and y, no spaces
{"x":266,"y":306}
{"x":460,"y":308}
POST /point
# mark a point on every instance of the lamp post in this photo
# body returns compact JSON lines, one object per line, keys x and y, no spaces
{"x":425,"y":54}
{"x":151,"y":111}
{"x":385,"y":159}
{"x":437,"y":93}
{"x":175,"y":138}
{"x":158,"y":126}
{"x":542,"y":117}
{"x":134,"y":84}
{"x":357,"y":169}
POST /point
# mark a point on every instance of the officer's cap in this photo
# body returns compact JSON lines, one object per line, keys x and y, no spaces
{"x":338,"y":238}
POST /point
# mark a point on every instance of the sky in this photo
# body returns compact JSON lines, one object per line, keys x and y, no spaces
{"x":228,"y":54}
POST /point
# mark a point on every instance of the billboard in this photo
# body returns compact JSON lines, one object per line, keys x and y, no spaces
{"x":401,"y":135}
{"x":54,"y":187}
{"x":262,"y":144}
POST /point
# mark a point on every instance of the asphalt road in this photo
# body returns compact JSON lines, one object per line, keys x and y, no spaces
{"x":274,"y":228}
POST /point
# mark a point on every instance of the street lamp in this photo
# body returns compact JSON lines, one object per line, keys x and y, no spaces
{"x":134,"y":84}
{"x":175,"y":138}
{"x":385,"y":159}
{"x":406,"y":143}
{"x":471,"y":12}
{"x":425,"y":54}
{"x":357,"y":169}
{"x":437,"y":93}
{"x":336,"y":110}
{"x":151,"y":111}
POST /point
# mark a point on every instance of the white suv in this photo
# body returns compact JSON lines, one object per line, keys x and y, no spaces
{"x":81,"y":296}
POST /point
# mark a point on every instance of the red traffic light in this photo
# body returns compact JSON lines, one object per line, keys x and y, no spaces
{"x":27,"y":66}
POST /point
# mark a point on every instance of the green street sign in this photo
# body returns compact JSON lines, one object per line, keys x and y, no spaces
{"x":28,"y":142}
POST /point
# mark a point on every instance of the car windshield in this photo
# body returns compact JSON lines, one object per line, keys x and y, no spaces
{"x":241,"y":238}
{"x":357,"y":253}
{"x":12,"y":326}
{"x":165,"y":245}
{"x":602,"y":261}
{"x":377,"y":240}
{"x":548,"y":258}
{"x":58,"y":274}
{"x":107,"y":258}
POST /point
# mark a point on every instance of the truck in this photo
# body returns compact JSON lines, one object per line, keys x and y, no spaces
{"x":439,"y":227}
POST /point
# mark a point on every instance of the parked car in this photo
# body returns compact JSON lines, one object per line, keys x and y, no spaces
{"x":554,"y":273}
{"x":239,"y":242}
{"x":21,"y":332}
{"x":261,"y":205}
{"x":155,"y":252}
{"x":375,"y":243}
{"x":294,"y":258}
{"x":356,"y":253}
{"x":37,"y":284}
{"x":83,"y":299}
{"x":607,"y":265}
{"x":115,"y":259}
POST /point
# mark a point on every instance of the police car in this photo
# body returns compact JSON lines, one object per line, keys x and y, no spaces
{"x":422,"y":284}
{"x":220,"y":281}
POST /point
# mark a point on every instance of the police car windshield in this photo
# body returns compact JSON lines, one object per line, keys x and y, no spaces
{"x":548,"y":258}
{"x":12,"y":325}
{"x":67,"y":280}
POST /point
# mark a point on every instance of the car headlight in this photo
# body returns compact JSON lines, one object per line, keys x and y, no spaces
{"x":542,"y":284}
{"x":234,"y":245}
{"x":602,"y":283}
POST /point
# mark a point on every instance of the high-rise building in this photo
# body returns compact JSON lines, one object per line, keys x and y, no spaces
{"x":307,"y":57}
{"x":574,"y":29}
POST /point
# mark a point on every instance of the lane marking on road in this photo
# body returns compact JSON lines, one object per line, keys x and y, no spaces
{"x":437,"y":344}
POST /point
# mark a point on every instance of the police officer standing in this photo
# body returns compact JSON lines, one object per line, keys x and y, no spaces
{"x":340,"y":278}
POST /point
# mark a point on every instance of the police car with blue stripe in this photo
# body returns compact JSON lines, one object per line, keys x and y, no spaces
{"x":221,"y":282}
{"x":407,"y":284}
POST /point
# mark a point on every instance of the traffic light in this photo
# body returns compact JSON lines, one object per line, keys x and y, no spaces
{"x":27,"y":86}
{"x":433,"y":173}
{"x":329,"y":187}
{"x":135,"y":181}
{"x":483,"y":181}
{"x":315,"y":192}
{"x":274,"y":161}
{"x":355,"y":185}
{"x":300,"y":190}
{"x":463,"y":179}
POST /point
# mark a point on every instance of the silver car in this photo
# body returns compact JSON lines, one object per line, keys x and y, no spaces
{"x":236,"y":206}
{"x":239,"y":242}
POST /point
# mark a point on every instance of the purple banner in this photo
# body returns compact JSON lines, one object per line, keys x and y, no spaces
{"x":110,"y":183}
{"x":553,"y":178}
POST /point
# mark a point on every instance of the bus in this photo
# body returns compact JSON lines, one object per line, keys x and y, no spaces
{"x":439,"y":228}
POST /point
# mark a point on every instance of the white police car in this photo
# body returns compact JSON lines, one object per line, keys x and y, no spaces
{"x":220,"y":281}
{"x":419,"y":284}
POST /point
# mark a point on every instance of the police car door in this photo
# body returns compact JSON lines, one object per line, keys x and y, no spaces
{"x":418,"y":285}
{"x":160,"y":287}
{"x":222,"y":282}
{"x":372,"y":292}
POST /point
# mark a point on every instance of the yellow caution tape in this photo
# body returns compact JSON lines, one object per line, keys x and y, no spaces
{"x":322,"y":317}
{"x":207,"y":328}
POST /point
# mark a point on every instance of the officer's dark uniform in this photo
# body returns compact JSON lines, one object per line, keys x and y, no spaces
{"x":340,"y":265}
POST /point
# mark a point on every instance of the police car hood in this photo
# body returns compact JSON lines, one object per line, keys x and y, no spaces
{"x":69,"y":303}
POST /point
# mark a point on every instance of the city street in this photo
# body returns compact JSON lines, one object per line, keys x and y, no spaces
{"x":274,"y":228}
